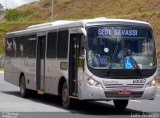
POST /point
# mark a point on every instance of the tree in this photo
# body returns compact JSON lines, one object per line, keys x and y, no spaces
{"x":1,"y":7}
{"x":12,"y":15}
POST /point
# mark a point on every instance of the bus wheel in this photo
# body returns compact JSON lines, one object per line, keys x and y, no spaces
{"x":66,"y":101}
{"x":23,"y":90}
{"x":120,"y":104}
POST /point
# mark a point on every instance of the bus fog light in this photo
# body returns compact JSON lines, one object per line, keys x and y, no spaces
{"x":152,"y":83}
{"x":92,"y":82}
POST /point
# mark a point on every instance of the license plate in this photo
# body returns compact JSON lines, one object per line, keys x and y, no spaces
{"x":124,"y":92}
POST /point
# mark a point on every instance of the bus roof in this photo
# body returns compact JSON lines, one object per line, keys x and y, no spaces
{"x":79,"y":23}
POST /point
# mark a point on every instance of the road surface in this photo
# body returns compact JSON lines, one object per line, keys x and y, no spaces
{"x":47,"y":106}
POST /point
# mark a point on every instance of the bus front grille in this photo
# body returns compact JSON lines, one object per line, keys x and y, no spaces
{"x":114,"y":94}
{"x":124,"y":87}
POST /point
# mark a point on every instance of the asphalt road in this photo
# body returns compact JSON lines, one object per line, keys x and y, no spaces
{"x":47,"y":106}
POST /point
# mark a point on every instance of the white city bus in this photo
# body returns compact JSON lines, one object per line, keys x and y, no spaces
{"x":92,"y":59}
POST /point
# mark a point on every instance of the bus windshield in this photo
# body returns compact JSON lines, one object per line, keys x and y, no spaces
{"x":112,"y":47}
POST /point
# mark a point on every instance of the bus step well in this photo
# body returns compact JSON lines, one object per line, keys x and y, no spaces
{"x":41,"y":92}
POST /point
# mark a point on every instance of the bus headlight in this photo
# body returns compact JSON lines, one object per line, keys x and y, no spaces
{"x":151,"y":83}
{"x":92,"y":82}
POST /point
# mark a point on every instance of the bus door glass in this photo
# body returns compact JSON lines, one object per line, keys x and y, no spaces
{"x":75,"y":62}
{"x":41,"y":62}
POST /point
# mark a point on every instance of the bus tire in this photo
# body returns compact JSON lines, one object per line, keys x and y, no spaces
{"x":120,"y":104}
{"x":66,"y":101}
{"x":23,"y":91}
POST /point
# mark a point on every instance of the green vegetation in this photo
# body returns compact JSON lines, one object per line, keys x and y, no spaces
{"x":38,"y":12}
{"x":12,"y":26}
{"x":1,"y":7}
{"x":1,"y":69}
{"x":12,"y":15}
{"x":18,"y":15}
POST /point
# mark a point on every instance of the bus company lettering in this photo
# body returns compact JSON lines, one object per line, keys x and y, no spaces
{"x":110,"y":82}
{"x":29,"y":64}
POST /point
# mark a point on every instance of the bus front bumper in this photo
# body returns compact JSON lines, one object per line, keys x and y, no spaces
{"x":98,"y":93}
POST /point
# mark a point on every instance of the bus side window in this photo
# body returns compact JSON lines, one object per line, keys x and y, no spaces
{"x":52,"y":45}
{"x":23,"y":46}
{"x":32,"y":46}
{"x":8,"y":47}
{"x":62,"y":47}
{"x":16,"y":47}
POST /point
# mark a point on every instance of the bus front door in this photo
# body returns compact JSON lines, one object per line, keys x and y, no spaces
{"x":74,"y":63}
{"x":41,"y":62}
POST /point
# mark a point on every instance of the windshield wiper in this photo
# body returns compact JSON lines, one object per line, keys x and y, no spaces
{"x":136,"y":66}
{"x":112,"y":58}
{"x":110,"y":64}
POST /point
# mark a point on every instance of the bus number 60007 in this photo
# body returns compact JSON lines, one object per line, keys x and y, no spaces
{"x":139,"y":81}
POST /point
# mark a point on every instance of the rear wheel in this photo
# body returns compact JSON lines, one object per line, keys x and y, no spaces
{"x":23,"y":91}
{"x":66,"y":101}
{"x":120,"y":104}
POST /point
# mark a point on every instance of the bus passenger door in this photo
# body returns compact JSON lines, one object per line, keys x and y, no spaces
{"x":74,"y":63}
{"x":41,"y":62}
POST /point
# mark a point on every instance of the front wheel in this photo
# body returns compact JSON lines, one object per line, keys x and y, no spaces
{"x":120,"y":104}
{"x":66,"y":101}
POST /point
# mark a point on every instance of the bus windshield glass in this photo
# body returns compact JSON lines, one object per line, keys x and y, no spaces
{"x":120,"y":48}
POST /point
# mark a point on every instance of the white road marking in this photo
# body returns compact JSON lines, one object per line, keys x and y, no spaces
{"x":135,"y":100}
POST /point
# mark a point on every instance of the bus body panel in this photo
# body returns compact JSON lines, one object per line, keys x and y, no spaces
{"x":19,"y":66}
{"x":29,"y":70}
{"x":12,"y":70}
{"x":53,"y":75}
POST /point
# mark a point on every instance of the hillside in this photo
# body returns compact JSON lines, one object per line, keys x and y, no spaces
{"x":78,"y":9}
{"x":145,"y":10}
